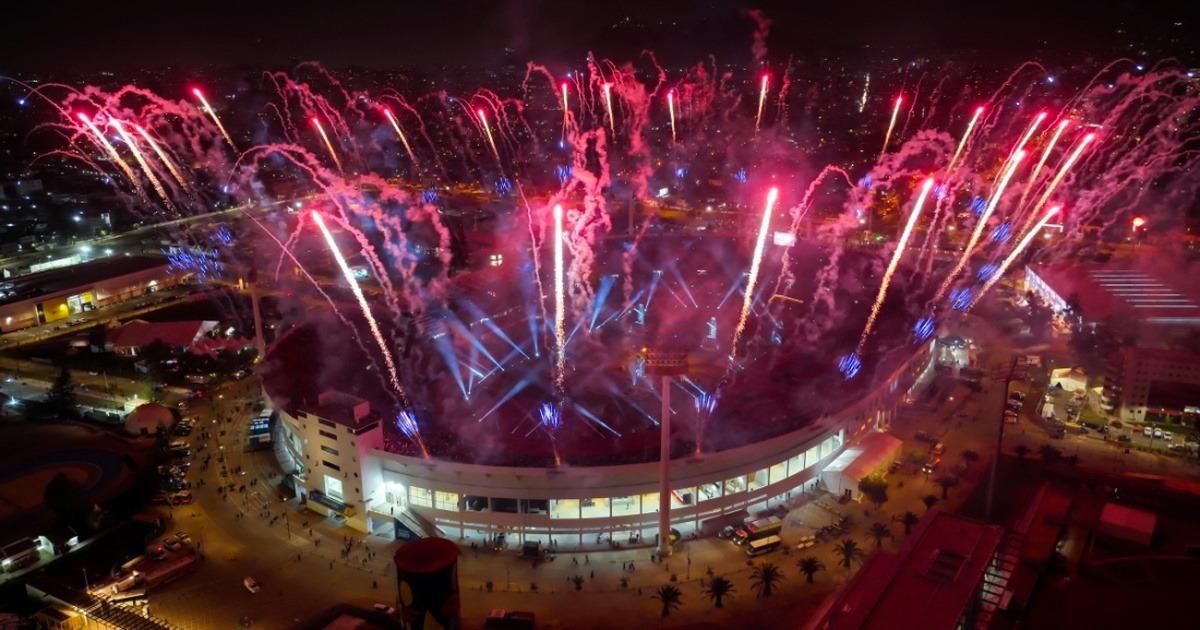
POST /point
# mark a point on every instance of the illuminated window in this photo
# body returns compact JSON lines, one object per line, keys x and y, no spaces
{"x":496,"y":260}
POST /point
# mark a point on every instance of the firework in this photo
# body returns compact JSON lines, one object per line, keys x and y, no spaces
{"x":1028,"y":134}
{"x":393,"y":375}
{"x":963,"y":142}
{"x":407,"y":423}
{"x":488,"y":130}
{"x":141,"y":160}
{"x":762,"y":98}
{"x":981,"y":223}
{"x":1058,"y":177}
{"x":395,"y":125}
{"x":755,"y":264}
{"x":671,"y":111}
{"x":706,"y":404}
{"x":566,"y":111}
{"x":560,"y":299}
{"x":888,"y":137}
{"x":1012,"y":256}
{"x":162,"y":157}
{"x":328,"y":145}
{"x":208,"y":108}
{"x":1041,"y":162}
{"x":112,"y":153}
{"x":891,"y":269}
{"x":612,"y":124}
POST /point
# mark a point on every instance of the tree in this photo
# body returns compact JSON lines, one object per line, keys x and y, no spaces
{"x":879,"y":531}
{"x":946,"y":482}
{"x":968,"y":457}
{"x":875,"y":488}
{"x":1049,"y":454}
{"x":809,"y":566}
{"x":929,"y":500}
{"x":765,"y":579}
{"x":849,"y":551}
{"x":68,"y":499}
{"x":1021,"y":450}
{"x":670,"y":597}
{"x":61,"y":397}
{"x":908,"y":519}
{"x":717,"y":589}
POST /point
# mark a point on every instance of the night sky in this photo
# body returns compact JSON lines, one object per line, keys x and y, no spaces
{"x":45,"y":35}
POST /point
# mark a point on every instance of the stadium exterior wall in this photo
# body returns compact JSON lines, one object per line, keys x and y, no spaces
{"x":576,"y":505}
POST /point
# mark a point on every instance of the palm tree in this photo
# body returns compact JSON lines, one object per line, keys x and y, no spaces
{"x":809,"y":566}
{"x":908,"y":519}
{"x":849,"y":552}
{"x":946,"y":482}
{"x":670,"y":597}
{"x":969,"y":457}
{"x":1049,"y":454}
{"x":1021,"y":450}
{"x":879,"y":531}
{"x":717,"y":589}
{"x":929,"y":500}
{"x":765,"y":578}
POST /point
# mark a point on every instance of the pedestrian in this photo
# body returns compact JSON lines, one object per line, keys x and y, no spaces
{"x":575,"y":561}
{"x":297,"y":557}
{"x":585,"y":559}
{"x":331,"y":565}
{"x":593,"y":575}
{"x":374,"y":584}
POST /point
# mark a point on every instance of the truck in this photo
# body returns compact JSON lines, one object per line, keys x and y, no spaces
{"x":158,"y":573}
{"x":761,"y":528}
{"x":500,"y":619}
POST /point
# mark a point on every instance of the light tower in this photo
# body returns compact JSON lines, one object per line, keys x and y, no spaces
{"x":665,"y":361}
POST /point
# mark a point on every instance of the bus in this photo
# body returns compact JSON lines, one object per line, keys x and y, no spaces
{"x":19,"y":554}
{"x":763,"y":546}
{"x":761,"y":528}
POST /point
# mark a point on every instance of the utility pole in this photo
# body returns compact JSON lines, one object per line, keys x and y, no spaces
{"x":1016,"y":371}
{"x":665,"y":362}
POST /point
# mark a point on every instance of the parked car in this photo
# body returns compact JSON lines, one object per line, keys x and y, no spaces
{"x":1017,"y":396}
{"x":924,"y":436}
{"x":1124,"y":438}
{"x":1158,"y":434}
{"x":385,"y":609}
{"x":1116,"y":424}
{"x":251,"y":585}
{"x":1191,"y":439}
{"x":183,"y":537}
{"x":172,"y":544}
{"x":1148,"y":432}
{"x":1168,"y":436}
{"x":1016,"y":407}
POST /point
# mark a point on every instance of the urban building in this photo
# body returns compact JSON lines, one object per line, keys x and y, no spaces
{"x":329,"y":442}
{"x":951,"y":573}
{"x":131,"y":338}
{"x":1087,"y":294}
{"x":58,"y":294}
{"x":1144,"y":384}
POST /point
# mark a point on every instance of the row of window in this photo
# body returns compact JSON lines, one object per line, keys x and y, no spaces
{"x":620,"y":506}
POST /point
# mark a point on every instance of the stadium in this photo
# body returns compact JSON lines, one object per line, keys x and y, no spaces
{"x":479,"y":373}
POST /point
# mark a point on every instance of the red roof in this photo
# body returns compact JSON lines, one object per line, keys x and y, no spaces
{"x":139,"y":333}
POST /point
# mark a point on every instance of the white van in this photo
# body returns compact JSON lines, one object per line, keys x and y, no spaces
{"x":939,"y":449}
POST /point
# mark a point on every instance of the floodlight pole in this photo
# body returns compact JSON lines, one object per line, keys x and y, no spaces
{"x":1016,"y":372}
{"x":665,"y":363}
